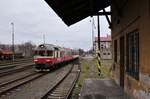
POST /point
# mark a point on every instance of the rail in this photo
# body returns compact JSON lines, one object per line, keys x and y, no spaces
{"x":66,"y":84}
{"x":7,"y":87}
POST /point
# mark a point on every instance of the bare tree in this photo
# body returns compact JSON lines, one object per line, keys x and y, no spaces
{"x":28,"y":48}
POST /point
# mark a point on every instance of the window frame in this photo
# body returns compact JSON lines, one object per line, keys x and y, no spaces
{"x":132,"y":54}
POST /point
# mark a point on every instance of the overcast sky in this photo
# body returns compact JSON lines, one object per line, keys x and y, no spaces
{"x":33,"y":18}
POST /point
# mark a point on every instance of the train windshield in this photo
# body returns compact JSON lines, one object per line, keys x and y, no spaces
{"x":49,"y":53}
{"x":43,"y":53}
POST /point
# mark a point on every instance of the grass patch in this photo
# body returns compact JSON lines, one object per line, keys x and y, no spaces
{"x":89,"y":70}
{"x":105,"y":68}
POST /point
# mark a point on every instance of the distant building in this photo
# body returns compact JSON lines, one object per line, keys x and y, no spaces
{"x":105,"y":46}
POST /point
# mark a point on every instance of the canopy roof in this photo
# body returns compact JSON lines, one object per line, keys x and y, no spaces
{"x":72,"y":11}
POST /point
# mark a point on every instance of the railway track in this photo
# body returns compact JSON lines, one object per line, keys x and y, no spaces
{"x":15,"y":76}
{"x":12,"y":85}
{"x":10,"y":88}
{"x":14,"y":62}
{"x":63,"y":88}
{"x":6,"y":67}
{"x":17,"y":69}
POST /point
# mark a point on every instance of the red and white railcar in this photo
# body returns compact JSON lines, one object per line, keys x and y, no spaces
{"x":48,"y":56}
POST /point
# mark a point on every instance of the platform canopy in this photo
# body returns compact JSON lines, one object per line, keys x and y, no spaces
{"x":72,"y":11}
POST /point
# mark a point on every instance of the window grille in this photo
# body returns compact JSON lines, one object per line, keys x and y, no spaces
{"x":132,"y":53}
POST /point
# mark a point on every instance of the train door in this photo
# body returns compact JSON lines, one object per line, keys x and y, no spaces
{"x":55,"y":54}
{"x":122,"y":62}
{"x":56,"y":51}
{"x":59,"y":54}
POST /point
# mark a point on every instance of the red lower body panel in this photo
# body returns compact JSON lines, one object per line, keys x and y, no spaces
{"x":48,"y":63}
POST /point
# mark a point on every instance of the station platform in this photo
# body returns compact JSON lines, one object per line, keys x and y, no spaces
{"x":101,"y":89}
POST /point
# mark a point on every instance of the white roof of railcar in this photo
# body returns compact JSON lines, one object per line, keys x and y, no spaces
{"x":45,"y":46}
{"x":51,"y":47}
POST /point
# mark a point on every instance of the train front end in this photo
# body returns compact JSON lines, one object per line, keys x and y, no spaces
{"x":43,"y":57}
{"x":43,"y":62}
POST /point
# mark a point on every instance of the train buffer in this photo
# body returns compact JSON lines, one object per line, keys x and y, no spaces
{"x":102,"y":89}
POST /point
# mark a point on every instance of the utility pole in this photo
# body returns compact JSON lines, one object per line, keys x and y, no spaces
{"x":99,"y":52}
{"x":13,"y":47}
{"x":44,"y":39}
{"x":98,"y":28}
{"x":93,"y":27}
{"x":44,"y":44}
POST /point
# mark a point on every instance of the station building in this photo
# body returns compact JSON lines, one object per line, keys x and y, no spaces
{"x":131,"y":46}
{"x":130,"y":26}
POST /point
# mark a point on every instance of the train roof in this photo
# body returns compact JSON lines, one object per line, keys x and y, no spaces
{"x":51,"y":47}
{"x":47,"y":47}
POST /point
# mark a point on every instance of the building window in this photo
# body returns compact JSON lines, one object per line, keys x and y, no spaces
{"x":132,"y":51}
{"x":115,"y":50}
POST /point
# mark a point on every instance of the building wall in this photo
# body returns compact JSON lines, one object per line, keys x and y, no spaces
{"x":133,"y":16}
{"x":106,"y":50}
{"x":106,"y":54}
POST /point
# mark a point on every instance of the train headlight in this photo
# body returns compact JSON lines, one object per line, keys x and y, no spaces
{"x":35,"y":60}
{"x":48,"y":60}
